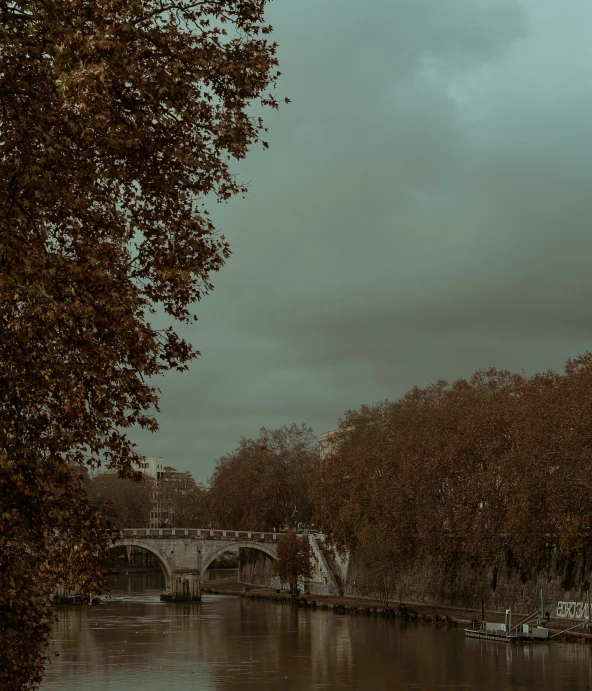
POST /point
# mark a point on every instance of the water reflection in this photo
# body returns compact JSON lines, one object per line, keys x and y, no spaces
{"x":220,"y":574}
{"x":133,"y":642}
{"x":147,"y":582}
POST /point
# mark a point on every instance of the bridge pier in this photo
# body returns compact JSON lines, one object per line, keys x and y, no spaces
{"x":184,"y":587}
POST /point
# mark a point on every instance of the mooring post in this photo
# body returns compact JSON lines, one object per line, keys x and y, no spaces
{"x":482,"y":609}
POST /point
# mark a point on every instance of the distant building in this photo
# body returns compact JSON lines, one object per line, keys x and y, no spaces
{"x":152,"y":467}
{"x":167,"y":493}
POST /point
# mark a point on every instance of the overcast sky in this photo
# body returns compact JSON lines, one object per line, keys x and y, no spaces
{"x":424,"y":211}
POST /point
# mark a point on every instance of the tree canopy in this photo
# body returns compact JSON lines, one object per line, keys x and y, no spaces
{"x":118,"y":118}
{"x":180,"y":501}
{"x":294,"y":559}
{"x":266,"y":482}
{"x":127,"y":504}
{"x":498,"y":464}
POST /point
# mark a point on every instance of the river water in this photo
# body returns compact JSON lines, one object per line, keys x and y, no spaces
{"x":134,"y":642}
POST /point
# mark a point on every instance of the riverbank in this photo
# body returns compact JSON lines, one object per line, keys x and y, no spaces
{"x":411,"y":611}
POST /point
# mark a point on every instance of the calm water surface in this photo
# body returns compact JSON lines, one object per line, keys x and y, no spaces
{"x":133,"y":642}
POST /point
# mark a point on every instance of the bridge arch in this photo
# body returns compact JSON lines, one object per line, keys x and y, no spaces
{"x":149,"y":546}
{"x":269,"y":549}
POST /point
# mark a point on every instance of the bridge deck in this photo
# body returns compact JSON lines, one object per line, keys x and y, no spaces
{"x":196,"y":533}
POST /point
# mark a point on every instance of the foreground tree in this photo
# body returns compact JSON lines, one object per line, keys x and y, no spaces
{"x":55,"y":538}
{"x":266,"y":482}
{"x":294,"y":559}
{"x":117,"y":118}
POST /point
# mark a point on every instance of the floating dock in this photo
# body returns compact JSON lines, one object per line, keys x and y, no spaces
{"x":521,"y":632}
{"x":505,"y":638}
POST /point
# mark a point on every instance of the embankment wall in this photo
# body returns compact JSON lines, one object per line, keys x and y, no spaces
{"x":254,"y":567}
{"x":464,"y":582}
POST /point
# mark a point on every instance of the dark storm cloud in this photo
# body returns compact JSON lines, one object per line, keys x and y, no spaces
{"x":423,"y":212}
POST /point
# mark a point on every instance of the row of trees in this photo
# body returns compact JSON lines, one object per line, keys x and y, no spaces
{"x":265,"y":484}
{"x":497,"y":464}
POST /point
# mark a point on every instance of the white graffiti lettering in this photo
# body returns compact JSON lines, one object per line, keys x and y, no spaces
{"x":572,"y":610}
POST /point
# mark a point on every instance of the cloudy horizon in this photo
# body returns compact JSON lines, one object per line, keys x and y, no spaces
{"x":422,"y":212}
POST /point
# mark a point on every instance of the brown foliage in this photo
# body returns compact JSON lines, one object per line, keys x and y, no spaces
{"x":378,"y":566}
{"x":124,"y":502}
{"x":266,"y":482}
{"x":293,"y":559}
{"x":499,"y":462}
{"x":117,"y":118}
{"x":55,"y":538}
{"x":180,"y":500}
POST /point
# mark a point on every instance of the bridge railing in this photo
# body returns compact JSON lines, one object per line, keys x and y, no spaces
{"x":194,"y":533}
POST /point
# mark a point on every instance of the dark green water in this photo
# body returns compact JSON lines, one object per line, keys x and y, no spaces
{"x":136,"y":643}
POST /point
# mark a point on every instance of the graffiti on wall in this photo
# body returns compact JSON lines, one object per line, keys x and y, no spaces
{"x":572,"y":610}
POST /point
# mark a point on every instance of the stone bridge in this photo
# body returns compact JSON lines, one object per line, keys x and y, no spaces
{"x":184,"y":554}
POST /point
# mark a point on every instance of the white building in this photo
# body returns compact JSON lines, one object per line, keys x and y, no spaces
{"x":152,"y":467}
